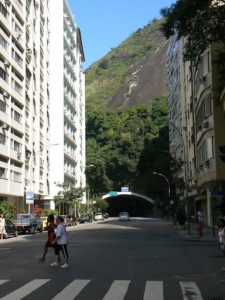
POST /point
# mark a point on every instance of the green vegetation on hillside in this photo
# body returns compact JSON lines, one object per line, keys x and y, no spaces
{"x":127,"y":146}
{"x":105,"y":77}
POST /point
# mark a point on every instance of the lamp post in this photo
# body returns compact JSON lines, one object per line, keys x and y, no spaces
{"x":30,"y":189}
{"x":167,"y":181}
{"x":185,"y":173}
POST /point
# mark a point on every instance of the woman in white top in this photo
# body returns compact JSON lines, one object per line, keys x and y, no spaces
{"x":61,"y":243}
{"x":2,"y":226}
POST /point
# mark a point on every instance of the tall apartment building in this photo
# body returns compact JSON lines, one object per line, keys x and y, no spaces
{"x":177,"y":135}
{"x":210,"y":137}
{"x":67,"y":162}
{"x":203,"y":120}
{"x":24,"y":100}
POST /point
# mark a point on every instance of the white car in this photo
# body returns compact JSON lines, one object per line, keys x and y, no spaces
{"x":124,"y":216}
{"x":99,"y":217}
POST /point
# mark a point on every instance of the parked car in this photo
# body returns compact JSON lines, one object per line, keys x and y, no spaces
{"x":124,"y":216}
{"x":10,"y":229}
{"x":85,"y":219}
{"x":98,"y":217}
{"x":105,"y":215}
{"x":27,"y":222}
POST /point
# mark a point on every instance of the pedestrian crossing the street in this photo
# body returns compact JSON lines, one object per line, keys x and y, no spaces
{"x":117,"y":290}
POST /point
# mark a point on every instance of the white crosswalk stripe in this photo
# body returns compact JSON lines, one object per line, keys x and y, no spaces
{"x":25,"y":290}
{"x":118,"y":290}
{"x":190,"y":291}
{"x":71,"y":290}
{"x":153,"y":290}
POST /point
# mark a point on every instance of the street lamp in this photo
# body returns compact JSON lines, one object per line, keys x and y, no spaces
{"x":166,"y":179}
{"x":30,"y":189}
{"x":185,"y":172}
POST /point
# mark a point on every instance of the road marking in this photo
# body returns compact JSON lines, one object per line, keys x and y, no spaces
{"x":190,"y":290}
{"x":3,"y":249}
{"x":71,"y":290}
{"x":153,"y":290}
{"x":2,"y":281}
{"x":25,"y":290}
{"x":117,"y":290}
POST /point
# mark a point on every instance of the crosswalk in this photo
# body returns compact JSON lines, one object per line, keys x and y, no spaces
{"x":154,"y":290}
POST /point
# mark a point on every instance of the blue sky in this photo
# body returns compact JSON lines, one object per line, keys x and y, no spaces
{"x":105,"y":24}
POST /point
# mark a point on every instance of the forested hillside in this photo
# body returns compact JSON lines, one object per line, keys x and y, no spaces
{"x":127,"y":116}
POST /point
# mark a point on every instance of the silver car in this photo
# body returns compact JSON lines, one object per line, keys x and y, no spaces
{"x":124,"y":216}
{"x":98,"y":216}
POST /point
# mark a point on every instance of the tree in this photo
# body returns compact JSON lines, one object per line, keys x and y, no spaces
{"x":201,"y":22}
{"x":68,"y":195}
{"x":8,"y":210}
{"x":100,"y":205}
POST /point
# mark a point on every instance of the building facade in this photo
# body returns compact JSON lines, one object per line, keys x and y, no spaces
{"x":24,"y":98}
{"x":67,"y":162}
{"x":177,"y":121}
{"x":42,"y":101}
{"x":202,"y":120}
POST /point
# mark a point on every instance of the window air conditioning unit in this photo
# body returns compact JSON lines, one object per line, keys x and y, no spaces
{"x":203,"y":79}
{"x":6,"y":63}
{"x":6,"y":95}
{"x":205,"y":124}
{"x":207,"y":163}
{"x":18,"y":36}
{"x":19,"y":155}
{"x":4,"y":126}
{"x":29,"y":51}
{"x":7,"y":2}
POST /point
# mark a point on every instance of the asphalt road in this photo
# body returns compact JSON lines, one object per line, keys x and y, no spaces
{"x":112,"y":260}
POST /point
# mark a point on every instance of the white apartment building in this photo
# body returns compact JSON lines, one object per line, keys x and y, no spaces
{"x":176,"y":103}
{"x":24,"y":100}
{"x":67,"y":84}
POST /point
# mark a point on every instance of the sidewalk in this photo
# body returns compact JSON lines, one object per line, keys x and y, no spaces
{"x":207,"y":236}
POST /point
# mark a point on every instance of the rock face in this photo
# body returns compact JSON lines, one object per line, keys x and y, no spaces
{"x":147,"y":80}
{"x":133,"y":73}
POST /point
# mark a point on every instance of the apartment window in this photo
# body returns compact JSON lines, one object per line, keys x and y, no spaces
{"x":2,"y":139}
{"x":3,"y":10}
{"x":18,"y":59}
{"x":3,"y":75}
{"x":15,"y":115}
{"x":209,"y":143}
{"x":3,"y":173}
{"x":14,"y":145}
{"x":18,"y":88}
{"x":3,"y":42}
{"x":2,"y":106}
{"x":205,"y":110}
{"x":15,"y":176}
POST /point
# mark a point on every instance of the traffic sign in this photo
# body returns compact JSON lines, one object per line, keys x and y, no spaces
{"x":125,"y":189}
{"x":218,"y":194}
{"x":29,"y":197}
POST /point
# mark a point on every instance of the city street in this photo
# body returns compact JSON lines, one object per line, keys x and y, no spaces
{"x":112,"y":260}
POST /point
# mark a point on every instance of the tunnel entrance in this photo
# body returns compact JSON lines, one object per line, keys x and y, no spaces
{"x":136,"y":205}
